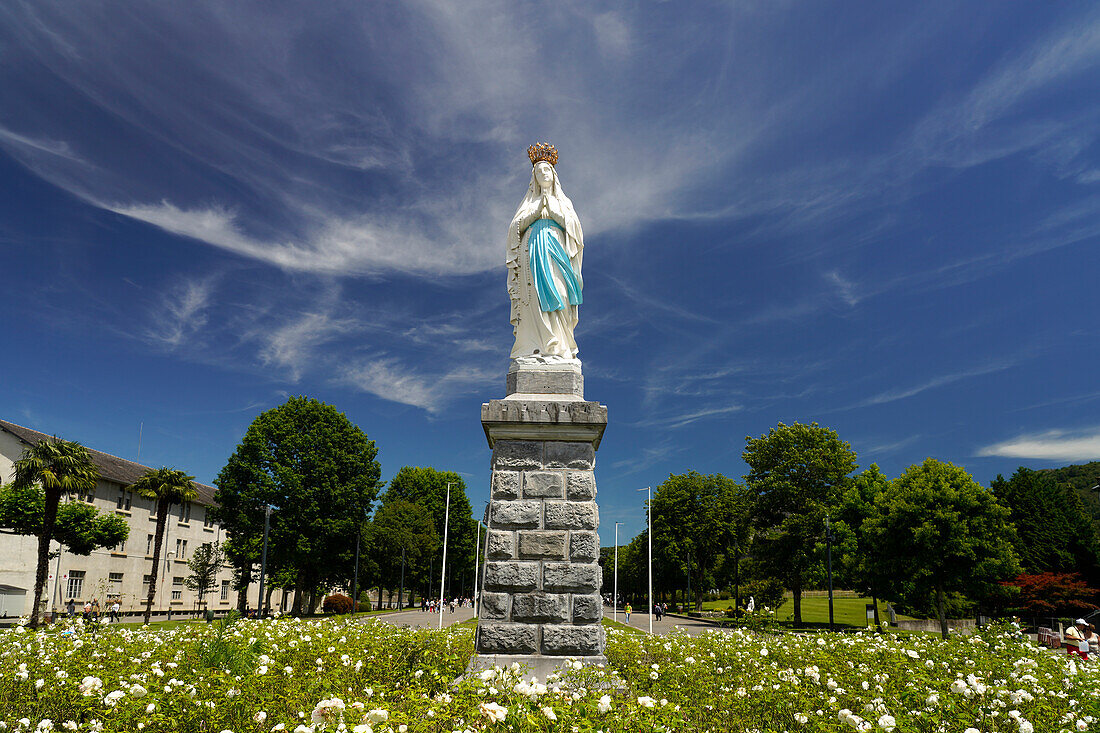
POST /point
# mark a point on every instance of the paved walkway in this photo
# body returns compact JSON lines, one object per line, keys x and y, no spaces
{"x":666,"y":625}
{"x":423,"y":619}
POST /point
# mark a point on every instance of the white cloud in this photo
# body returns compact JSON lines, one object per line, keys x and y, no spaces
{"x":293,"y":344}
{"x":393,"y":380}
{"x":22,"y":145}
{"x":1054,"y":445}
{"x":182,"y":313}
{"x":845,"y":288}
{"x":904,"y":392}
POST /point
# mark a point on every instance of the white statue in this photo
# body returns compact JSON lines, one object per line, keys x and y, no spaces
{"x":545,"y":246}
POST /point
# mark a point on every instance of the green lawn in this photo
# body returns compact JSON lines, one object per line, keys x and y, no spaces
{"x":815,"y":610}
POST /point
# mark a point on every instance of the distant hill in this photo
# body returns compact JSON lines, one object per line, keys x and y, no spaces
{"x":1080,"y":478}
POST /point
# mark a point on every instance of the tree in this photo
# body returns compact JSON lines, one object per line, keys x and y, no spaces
{"x":796,"y":473}
{"x":859,"y":563}
{"x":697,"y":519}
{"x":402,"y":526}
{"x":1054,"y":532}
{"x":204,"y":564}
{"x":59,"y":467}
{"x":165,"y":486}
{"x":938,"y":531}
{"x":1049,"y":594}
{"x":427,"y":488}
{"x":318,"y":470}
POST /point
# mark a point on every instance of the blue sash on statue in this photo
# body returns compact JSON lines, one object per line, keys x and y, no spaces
{"x":544,"y":244}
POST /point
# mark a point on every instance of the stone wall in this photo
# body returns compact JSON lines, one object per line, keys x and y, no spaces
{"x":542,"y":578}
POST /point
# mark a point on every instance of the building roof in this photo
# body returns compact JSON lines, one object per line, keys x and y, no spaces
{"x":111,"y":468}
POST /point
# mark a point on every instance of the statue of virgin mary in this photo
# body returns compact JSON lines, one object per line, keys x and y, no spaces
{"x":545,"y":246}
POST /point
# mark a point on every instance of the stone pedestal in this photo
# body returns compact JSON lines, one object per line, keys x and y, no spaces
{"x":541,"y":579}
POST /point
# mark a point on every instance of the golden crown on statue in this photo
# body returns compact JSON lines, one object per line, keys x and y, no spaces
{"x":543,"y":151}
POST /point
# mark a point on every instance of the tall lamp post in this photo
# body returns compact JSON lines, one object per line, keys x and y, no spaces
{"x":829,"y":556}
{"x":477,"y":563}
{"x":649,"y":536}
{"x":401,"y":588}
{"x":615,"y":597}
{"x":263,"y":559}
{"x":443,"y":572}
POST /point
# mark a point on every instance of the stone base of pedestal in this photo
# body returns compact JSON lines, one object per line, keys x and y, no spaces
{"x":537,"y":667}
{"x":541,"y":578}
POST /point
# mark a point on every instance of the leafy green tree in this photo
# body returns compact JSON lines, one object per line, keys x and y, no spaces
{"x":1054,"y":532}
{"x":937,"y":530}
{"x":165,"y":486}
{"x":796,"y":473}
{"x":79,"y":527}
{"x":859,"y":565}
{"x":427,"y":488}
{"x":204,"y":565}
{"x":400,"y":525}
{"x":59,"y":467}
{"x":318,"y":470}
{"x":696,"y":520}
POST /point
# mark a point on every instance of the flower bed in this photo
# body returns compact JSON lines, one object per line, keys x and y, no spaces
{"x":344,"y":674}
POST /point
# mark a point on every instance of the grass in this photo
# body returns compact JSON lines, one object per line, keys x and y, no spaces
{"x":815,"y":610}
{"x":608,"y":623}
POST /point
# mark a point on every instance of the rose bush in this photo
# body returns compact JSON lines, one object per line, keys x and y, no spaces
{"x":289,"y":675}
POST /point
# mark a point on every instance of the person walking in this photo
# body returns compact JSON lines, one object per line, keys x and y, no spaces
{"x":116,"y":609}
{"x":656,"y":611}
{"x":70,"y":608}
{"x":626,"y":610}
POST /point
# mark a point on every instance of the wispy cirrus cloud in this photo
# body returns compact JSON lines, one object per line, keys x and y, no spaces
{"x":182,"y":313}
{"x":1052,"y":445}
{"x":902,"y":393}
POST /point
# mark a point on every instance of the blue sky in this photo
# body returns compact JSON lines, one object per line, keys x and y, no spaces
{"x":880,"y":217}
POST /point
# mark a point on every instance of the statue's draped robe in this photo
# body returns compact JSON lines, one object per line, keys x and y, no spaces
{"x":545,"y":248}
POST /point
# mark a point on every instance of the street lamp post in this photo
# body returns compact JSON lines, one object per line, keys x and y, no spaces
{"x":477,"y":562}
{"x":443,"y":572}
{"x":263,"y":559}
{"x":615,"y":597}
{"x":164,"y":579}
{"x":829,"y":556}
{"x":649,"y":536}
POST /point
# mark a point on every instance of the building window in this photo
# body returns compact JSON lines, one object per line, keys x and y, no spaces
{"x":185,"y":512}
{"x":149,"y":545}
{"x":75,"y":587}
{"x":145,"y":581}
{"x":114,"y":581}
{"x":177,"y":595}
{"x":120,"y":547}
{"x":225,"y":590}
{"x":207,"y":518}
{"x":125,"y":500}
{"x":88,"y":497}
{"x":181,"y":549}
{"x":177,"y":580}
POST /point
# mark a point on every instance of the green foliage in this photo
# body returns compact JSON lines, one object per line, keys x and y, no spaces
{"x":766,"y":592}
{"x":80,"y":527}
{"x":426,"y":488}
{"x":696,"y":520}
{"x":319,"y":470}
{"x":1054,"y":531}
{"x":204,"y":565}
{"x":935,"y":530}
{"x":399,"y":525}
{"x":796,"y":473}
{"x":59,"y":467}
{"x":855,"y":558}
{"x":165,"y":486}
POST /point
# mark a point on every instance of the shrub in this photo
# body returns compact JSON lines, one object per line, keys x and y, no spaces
{"x":766,"y":592}
{"x":336,"y":603}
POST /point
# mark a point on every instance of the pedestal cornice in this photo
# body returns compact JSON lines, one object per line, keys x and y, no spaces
{"x":544,"y":417}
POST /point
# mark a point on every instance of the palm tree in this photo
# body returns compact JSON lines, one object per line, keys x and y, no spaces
{"x":166,"y":486}
{"x":59,"y":466}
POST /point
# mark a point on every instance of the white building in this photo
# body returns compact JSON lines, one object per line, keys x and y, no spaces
{"x":122,"y":572}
